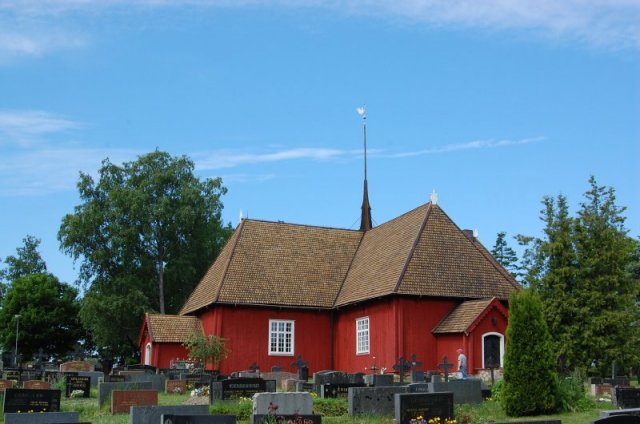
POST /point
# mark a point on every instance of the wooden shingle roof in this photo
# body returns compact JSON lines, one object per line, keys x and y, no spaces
{"x":419,"y":253}
{"x":465,"y":315}
{"x":172,"y":328}
{"x":273,"y":263}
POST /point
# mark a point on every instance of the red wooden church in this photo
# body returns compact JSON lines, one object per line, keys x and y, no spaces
{"x":345,"y":299}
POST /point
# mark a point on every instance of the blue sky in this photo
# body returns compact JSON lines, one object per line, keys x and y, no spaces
{"x":493,"y":104}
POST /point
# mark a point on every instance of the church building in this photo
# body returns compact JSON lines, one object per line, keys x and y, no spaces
{"x":348,"y":300}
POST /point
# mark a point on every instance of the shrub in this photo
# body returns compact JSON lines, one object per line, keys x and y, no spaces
{"x":330,"y":407}
{"x":530,"y":380}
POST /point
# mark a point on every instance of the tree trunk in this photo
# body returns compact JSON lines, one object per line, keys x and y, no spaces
{"x":161,"y":284}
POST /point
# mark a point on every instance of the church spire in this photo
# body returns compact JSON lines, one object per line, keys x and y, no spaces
{"x":365,"y":221}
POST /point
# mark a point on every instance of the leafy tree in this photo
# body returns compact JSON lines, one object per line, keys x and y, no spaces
{"x":505,"y":255}
{"x":145,"y":233}
{"x":48,"y":311}
{"x":27,"y":261}
{"x":530,"y":380}
{"x":207,"y":349}
{"x":607,"y":293}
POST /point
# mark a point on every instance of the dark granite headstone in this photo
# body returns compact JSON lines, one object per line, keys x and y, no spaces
{"x":418,"y":388}
{"x":197,"y":419}
{"x":595,"y":380}
{"x":409,"y":406}
{"x":618,"y":419}
{"x":23,"y":400}
{"x":43,"y":418}
{"x":77,"y":383}
{"x":328,"y":391}
{"x":373,"y":400}
{"x":152,"y":414}
{"x":625,"y":397}
{"x":234,"y":388}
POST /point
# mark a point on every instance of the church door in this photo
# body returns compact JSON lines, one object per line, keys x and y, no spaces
{"x":491,"y":350}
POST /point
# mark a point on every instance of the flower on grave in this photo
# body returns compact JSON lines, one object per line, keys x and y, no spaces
{"x":77,"y":393}
{"x":177,"y":390}
{"x":418,"y":420}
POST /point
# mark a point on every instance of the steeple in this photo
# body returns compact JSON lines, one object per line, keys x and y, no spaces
{"x":365,"y":221}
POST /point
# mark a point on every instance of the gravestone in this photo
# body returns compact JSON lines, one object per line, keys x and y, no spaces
{"x":378,"y":380}
{"x":533,"y":422}
{"x":234,"y":388}
{"x":303,"y":368}
{"x":7,"y":384}
{"x":330,"y":377}
{"x":467,"y":391}
{"x":95,"y":376}
{"x":175,"y":386}
{"x":373,"y":400}
{"x":43,"y":418}
{"x":36,"y":385}
{"x":286,"y":419}
{"x":417,"y":376}
{"x":618,"y":419}
{"x":197,"y":419}
{"x":23,"y":400}
{"x":76,"y":366}
{"x":625,"y":397}
{"x":74,"y":383}
{"x":402,"y":367}
{"x":157,"y":380}
{"x":153,"y":414}
{"x":409,"y":406}
{"x":418,"y":388}
{"x":282,"y":404}
{"x":330,"y":391}
{"x":445,"y":366}
{"x":115,"y":379}
{"x":105,"y":389}
{"x":123,"y":400}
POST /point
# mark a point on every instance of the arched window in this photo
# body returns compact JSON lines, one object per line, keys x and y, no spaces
{"x":492,"y":350}
{"x":147,"y":354}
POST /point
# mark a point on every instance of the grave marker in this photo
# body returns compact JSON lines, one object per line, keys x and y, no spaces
{"x":234,"y":388}
{"x":445,"y":365}
{"x":197,"y":419}
{"x":409,"y":406}
{"x":625,"y":397}
{"x":36,"y":385}
{"x":402,"y":366}
{"x":23,"y":400}
{"x":153,"y":414}
{"x":123,"y":400}
{"x":175,"y":386}
{"x":74,"y":383}
{"x":43,"y":418}
{"x":6,"y":384}
{"x":303,"y":368}
{"x":76,"y":366}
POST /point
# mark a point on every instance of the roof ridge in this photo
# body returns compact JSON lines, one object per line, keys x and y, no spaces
{"x":346,"y":274}
{"x":293,"y":224}
{"x":226,"y":265}
{"x":413,"y":247}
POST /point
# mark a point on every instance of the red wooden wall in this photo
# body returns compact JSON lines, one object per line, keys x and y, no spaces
{"x":247,"y":332}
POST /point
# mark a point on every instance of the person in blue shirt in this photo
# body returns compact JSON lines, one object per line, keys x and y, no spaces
{"x":462,"y":364}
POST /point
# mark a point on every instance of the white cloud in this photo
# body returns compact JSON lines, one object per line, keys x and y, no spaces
{"x":471,"y":145}
{"x":24,"y":128}
{"x":606,"y":23}
{"x":229,"y":159}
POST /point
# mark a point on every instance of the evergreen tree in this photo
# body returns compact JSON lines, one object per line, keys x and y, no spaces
{"x":607,"y":293}
{"x":558,"y":284}
{"x":530,"y":380}
{"x":505,"y":255}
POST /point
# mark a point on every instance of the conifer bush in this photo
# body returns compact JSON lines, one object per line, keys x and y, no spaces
{"x":530,"y":379}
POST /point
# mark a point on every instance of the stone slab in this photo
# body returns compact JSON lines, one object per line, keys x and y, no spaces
{"x":36,"y":385}
{"x":157,"y":380}
{"x":95,"y":376}
{"x":123,"y":400}
{"x":175,"y":386}
{"x":75,"y":382}
{"x":198,"y":419}
{"x":233,"y":388}
{"x":378,"y":380}
{"x":284,"y":403}
{"x":43,"y":418}
{"x":409,"y":406}
{"x":629,"y":411}
{"x":373,"y":400}
{"x":153,"y":414}
{"x":24,"y":400}
{"x":625,"y":397}
{"x":76,"y":366}
{"x":286,"y":419}
{"x":618,"y":419}
{"x":105,"y":389}
{"x":467,"y":391}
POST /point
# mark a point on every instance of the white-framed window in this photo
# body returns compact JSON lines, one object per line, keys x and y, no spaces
{"x":362,"y":335}
{"x":492,"y":350}
{"x":281,"y":338}
{"x":147,"y":354}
